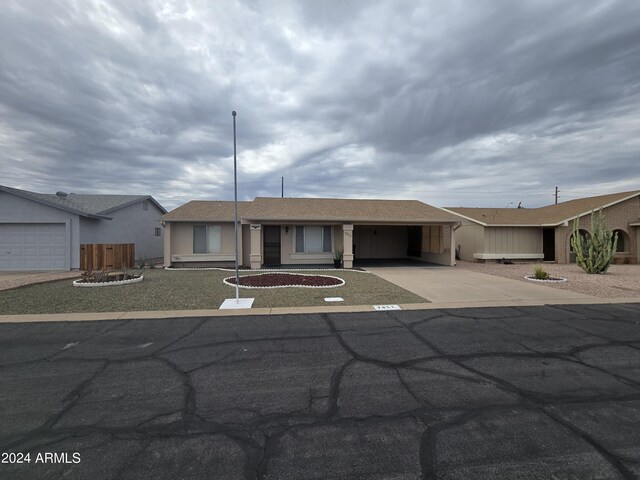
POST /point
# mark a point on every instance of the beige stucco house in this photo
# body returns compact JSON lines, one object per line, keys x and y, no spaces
{"x":299,"y":231}
{"x":545,"y":233}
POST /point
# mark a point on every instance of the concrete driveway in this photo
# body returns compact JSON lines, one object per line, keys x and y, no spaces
{"x":13,"y":279}
{"x":497,"y":393}
{"x":450,"y":285}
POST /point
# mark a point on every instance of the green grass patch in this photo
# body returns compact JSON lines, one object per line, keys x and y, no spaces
{"x":194,"y":290}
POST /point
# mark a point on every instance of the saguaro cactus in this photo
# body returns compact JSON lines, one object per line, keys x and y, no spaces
{"x":594,"y":253}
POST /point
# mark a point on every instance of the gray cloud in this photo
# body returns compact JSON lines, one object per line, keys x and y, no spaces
{"x":455,"y":103}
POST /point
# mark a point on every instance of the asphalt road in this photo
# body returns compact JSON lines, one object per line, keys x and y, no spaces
{"x":495,"y":393}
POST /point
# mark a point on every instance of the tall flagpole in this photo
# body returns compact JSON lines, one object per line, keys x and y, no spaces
{"x":235,"y":205}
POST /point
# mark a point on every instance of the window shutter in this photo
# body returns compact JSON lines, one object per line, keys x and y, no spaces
{"x":299,"y":239}
{"x":326,"y":239}
{"x":199,"y":239}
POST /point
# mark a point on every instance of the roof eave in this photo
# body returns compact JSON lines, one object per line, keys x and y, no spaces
{"x":192,"y":220}
{"x":465,"y":217}
{"x":133,"y":202}
{"x":607,"y":205}
{"x":352,"y":220}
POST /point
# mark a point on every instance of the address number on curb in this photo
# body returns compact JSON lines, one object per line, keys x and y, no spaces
{"x":387,"y":307}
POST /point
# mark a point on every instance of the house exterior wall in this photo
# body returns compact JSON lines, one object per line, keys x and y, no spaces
{"x":617,"y":217}
{"x":470,"y":238}
{"x":15,"y":209}
{"x":507,"y":240}
{"x":181,"y":243}
{"x":131,"y":224}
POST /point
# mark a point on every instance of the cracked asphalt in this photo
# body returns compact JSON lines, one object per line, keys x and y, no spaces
{"x":492,"y":393}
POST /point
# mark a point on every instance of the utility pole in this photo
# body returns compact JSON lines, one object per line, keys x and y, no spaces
{"x":556,"y":195}
{"x":236,"y":302}
{"x":282,"y":188}
{"x":235,"y":205}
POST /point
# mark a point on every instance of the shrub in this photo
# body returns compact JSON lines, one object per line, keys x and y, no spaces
{"x":594,"y":253}
{"x":539,"y":273}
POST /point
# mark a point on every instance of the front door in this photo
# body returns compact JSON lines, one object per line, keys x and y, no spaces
{"x":271,"y":239}
{"x":549,"y":244}
{"x":414,"y":243}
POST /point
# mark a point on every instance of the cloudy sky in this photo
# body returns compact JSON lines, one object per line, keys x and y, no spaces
{"x":448,"y":101}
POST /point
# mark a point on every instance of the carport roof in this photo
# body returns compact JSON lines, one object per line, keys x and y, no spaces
{"x":345,"y":210}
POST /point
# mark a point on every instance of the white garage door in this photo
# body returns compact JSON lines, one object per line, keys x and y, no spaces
{"x":33,"y":246}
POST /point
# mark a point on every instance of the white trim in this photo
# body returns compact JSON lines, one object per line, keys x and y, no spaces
{"x":311,"y":256}
{"x":499,"y":256}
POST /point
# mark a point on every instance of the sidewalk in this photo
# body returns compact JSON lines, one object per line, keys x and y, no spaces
{"x":9,"y":280}
{"x":132,"y":315}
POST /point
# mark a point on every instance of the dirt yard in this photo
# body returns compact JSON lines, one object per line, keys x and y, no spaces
{"x":619,"y":281}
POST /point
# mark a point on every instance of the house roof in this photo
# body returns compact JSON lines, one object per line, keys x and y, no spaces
{"x":550,"y":215}
{"x":86,"y":205}
{"x":205,"y":210}
{"x":345,"y":210}
{"x":313,"y":209}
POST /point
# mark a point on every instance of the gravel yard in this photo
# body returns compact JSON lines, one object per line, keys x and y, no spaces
{"x":194,"y":290}
{"x":620,"y":280}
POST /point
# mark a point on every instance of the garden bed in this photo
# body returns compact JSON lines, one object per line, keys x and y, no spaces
{"x":280,"y":280}
{"x":107,"y":279}
{"x":545,"y":280}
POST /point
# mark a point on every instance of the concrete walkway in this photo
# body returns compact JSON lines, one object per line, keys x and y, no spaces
{"x":15,"y":279}
{"x":445,"y":285}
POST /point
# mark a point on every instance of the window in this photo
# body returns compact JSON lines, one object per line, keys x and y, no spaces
{"x":623,"y":240}
{"x":313,"y":239}
{"x":207,"y":239}
{"x":158,"y":232}
{"x":145,"y":205}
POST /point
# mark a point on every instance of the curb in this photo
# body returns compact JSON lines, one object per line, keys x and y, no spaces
{"x":152,"y":315}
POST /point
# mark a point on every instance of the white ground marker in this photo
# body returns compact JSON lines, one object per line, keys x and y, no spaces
{"x":232,"y":303}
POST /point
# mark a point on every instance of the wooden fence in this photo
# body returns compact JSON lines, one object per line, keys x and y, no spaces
{"x":106,"y":256}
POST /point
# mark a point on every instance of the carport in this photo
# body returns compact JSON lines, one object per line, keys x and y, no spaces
{"x":430,"y":242}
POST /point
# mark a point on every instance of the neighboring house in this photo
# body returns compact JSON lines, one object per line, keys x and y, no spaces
{"x":299,"y":231}
{"x":545,"y":233}
{"x":44,"y":231}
